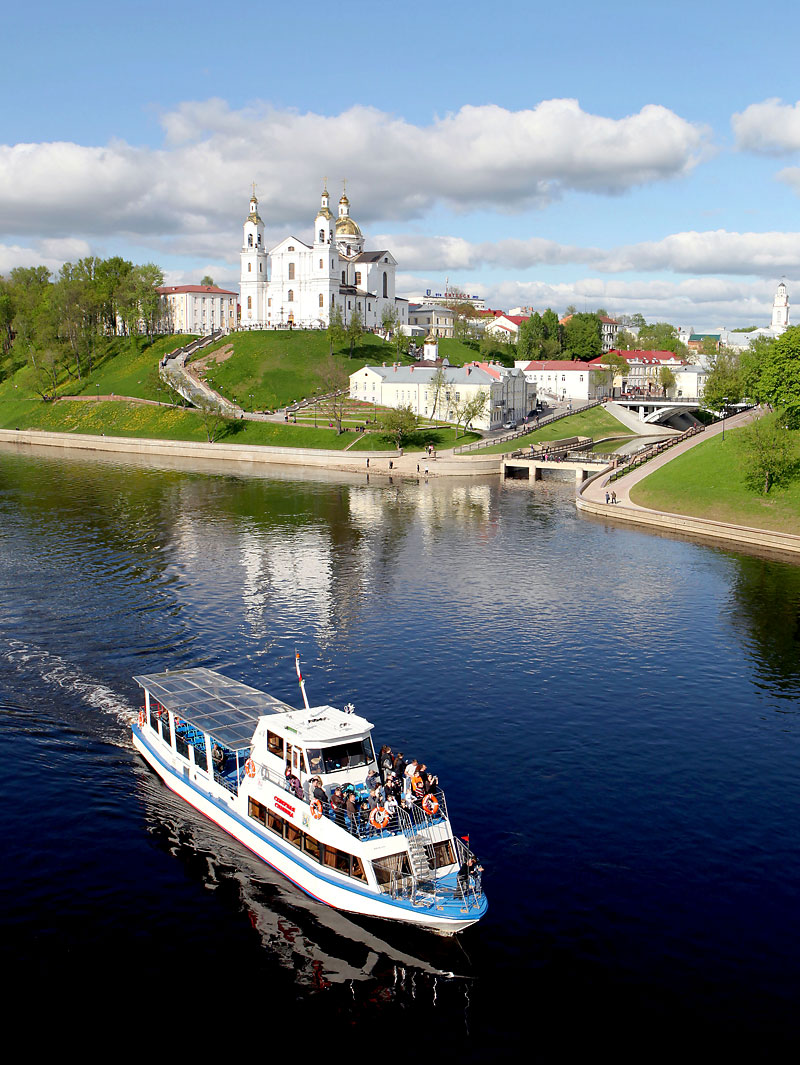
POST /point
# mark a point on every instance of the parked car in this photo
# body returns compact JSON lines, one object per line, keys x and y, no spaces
{"x":509,"y":425}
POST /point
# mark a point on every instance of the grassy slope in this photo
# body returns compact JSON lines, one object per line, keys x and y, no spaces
{"x":706,"y":482}
{"x":595,"y":423}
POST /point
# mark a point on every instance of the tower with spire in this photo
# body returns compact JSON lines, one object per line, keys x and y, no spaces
{"x":254,"y":266}
{"x":780,"y":310}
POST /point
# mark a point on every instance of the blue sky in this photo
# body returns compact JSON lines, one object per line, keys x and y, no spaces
{"x":639,"y":159}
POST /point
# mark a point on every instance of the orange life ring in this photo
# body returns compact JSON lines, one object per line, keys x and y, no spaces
{"x":316,"y":809}
{"x":141,"y":718}
{"x":250,"y":767}
{"x":379,"y":817}
{"x":430,"y":804}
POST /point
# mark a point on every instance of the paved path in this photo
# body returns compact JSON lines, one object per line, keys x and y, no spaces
{"x":596,"y":491}
{"x":593,"y":500}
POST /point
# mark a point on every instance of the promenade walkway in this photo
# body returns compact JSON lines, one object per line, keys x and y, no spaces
{"x":591,"y":499}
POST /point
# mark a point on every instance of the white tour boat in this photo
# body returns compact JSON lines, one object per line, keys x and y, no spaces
{"x":251,"y":763}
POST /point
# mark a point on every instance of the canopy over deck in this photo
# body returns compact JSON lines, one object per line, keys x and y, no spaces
{"x":226,"y":709}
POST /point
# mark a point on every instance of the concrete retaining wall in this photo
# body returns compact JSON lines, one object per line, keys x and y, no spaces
{"x":762,"y":539}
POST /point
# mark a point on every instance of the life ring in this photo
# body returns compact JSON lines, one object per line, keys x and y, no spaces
{"x":141,"y":718}
{"x":379,"y":818}
{"x":250,"y":767}
{"x":430,"y":804}
{"x":316,"y":809}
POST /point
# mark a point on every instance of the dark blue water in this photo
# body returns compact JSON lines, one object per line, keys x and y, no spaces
{"x":613,"y":716}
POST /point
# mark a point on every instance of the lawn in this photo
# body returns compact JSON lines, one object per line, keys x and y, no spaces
{"x":271,"y":368}
{"x":595,"y":422}
{"x":706,"y":482}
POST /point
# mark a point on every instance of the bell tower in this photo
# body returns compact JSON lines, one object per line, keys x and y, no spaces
{"x":253,"y":280}
{"x":780,"y":310}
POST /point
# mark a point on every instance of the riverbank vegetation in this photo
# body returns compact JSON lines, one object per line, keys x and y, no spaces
{"x":707,"y":482}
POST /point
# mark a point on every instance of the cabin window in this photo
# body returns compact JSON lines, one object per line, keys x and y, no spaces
{"x":166,"y":733}
{"x":441,"y":854}
{"x":315,"y":762}
{"x":293,"y":835}
{"x":275,"y":745}
{"x":275,"y":822}
{"x":258,"y":811}
{"x":311,"y":846}
{"x":358,"y":869}
{"x":391,"y":863}
{"x":347,"y":755}
{"x":338,"y":860}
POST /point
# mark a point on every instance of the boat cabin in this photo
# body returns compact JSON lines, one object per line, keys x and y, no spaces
{"x":320,"y":742}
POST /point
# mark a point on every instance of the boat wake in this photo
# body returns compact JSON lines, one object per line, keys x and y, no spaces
{"x":56,"y":672}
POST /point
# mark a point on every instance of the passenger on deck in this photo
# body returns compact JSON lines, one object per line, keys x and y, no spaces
{"x":319,"y":792}
{"x":352,"y":812}
{"x":338,"y":806}
{"x":392,"y":787}
{"x":400,"y":764}
{"x":293,"y":784}
{"x":374,"y":780}
{"x":408,"y":776}
{"x":385,"y":762}
{"x":391,"y":808}
{"x":469,"y":870}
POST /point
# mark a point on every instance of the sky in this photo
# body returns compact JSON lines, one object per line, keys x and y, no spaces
{"x":639,"y":158}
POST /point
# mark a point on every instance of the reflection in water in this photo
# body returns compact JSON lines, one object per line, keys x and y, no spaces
{"x":767,"y":613}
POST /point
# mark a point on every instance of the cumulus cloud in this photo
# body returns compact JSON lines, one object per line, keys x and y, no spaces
{"x":691,"y":303}
{"x":198,"y":180}
{"x":711,"y":252}
{"x":768,"y":128}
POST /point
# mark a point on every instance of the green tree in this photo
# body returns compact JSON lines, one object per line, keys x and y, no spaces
{"x":666,"y":378}
{"x":769,"y":453}
{"x":389,"y":319}
{"x":724,"y":380}
{"x":438,"y":386}
{"x":355,"y":328}
{"x":208,"y":280}
{"x":779,"y":376}
{"x":336,"y":333}
{"x":336,"y":401}
{"x":467,"y":409}
{"x":661,"y":336}
{"x":582,"y":337}
{"x":398,"y":423}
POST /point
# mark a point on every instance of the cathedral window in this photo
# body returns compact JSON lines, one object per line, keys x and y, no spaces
{"x":343,"y":278}
{"x":260,"y":267}
{"x":250,"y":240}
{"x":385,"y":285}
{"x":321,"y":236}
{"x":249,"y":303}
{"x":249,"y":267}
{"x":291,"y":271}
{"x":358,"y":277}
{"x":290,"y":248}
{"x":259,"y":240}
{"x":321,"y":300}
{"x":290,"y":296}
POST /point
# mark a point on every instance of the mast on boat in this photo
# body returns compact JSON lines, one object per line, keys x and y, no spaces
{"x":300,"y":679}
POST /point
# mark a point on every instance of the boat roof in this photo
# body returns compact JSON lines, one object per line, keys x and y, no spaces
{"x":225,"y":708}
{"x":322,"y":725}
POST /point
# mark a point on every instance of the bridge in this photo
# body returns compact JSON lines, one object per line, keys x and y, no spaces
{"x":573,"y":456}
{"x":655,"y":410}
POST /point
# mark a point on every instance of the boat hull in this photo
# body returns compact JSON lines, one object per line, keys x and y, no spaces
{"x":325,"y":889}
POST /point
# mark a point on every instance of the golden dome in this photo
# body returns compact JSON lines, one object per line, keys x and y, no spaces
{"x":346,"y":227}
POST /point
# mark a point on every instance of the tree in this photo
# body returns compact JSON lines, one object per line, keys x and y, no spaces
{"x":724,"y":382}
{"x":626,"y":341}
{"x":437,"y":388}
{"x":47,"y":368}
{"x":355,"y":328}
{"x":213,"y":417}
{"x":336,"y":332}
{"x":615,"y":365}
{"x":335,"y":403}
{"x":398,"y":423}
{"x":582,"y":337}
{"x":389,"y":319}
{"x":779,"y":375}
{"x":207,"y":280}
{"x":661,"y":336}
{"x":769,"y":453}
{"x":666,"y":378}
{"x":468,"y":409}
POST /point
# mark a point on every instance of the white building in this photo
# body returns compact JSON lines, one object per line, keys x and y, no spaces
{"x":508,"y":395}
{"x":298,"y":284}
{"x":431,"y":320}
{"x":567,"y":380}
{"x":506,"y":326}
{"x":197,"y":309}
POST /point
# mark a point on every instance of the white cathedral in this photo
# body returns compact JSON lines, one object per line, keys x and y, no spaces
{"x":298,"y":284}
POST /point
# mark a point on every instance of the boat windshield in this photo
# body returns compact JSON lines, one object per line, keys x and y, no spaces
{"x":351,"y":755}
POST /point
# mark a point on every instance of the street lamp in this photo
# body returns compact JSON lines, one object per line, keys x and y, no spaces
{"x":724,"y":415}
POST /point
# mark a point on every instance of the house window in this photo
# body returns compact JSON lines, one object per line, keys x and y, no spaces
{"x":291,"y":271}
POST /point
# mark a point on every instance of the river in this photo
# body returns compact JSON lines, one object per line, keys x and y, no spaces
{"x":612,"y":715}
